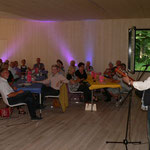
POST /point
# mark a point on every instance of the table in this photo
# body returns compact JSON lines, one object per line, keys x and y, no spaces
{"x":36,"y":88}
{"x":33,"y":88}
{"x":97,"y":85}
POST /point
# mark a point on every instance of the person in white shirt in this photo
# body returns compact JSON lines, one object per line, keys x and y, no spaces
{"x":18,"y":96}
{"x":141,"y":86}
{"x":53,"y":83}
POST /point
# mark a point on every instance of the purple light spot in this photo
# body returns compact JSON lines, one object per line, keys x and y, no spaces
{"x":89,"y":39}
{"x":16,"y":44}
{"x":11,"y":50}
{"x":42,"y":21}
{"x":57,"y":40}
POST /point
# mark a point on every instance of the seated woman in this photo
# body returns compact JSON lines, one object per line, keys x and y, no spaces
{"x":23,"y":67}
{"x":88,"y":68}
{"x":72,"y":64}
{"x":73,"y":81}
{"x":80,"y":73}
{"x":84,"y":87}
{"x":61,"y":69}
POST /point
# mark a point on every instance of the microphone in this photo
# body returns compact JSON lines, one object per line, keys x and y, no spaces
{"x":146,"y":65}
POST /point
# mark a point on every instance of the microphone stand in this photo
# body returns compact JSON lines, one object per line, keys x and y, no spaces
{"x":125,"y":140}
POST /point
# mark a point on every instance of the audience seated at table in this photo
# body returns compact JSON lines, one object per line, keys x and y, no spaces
{"x":17,"y":97}
{"x":88,"y":67}
{"x":39,"y":65}
{"x":23,"y":67}
{"x":109,"y":72}
{"x":75,"y":84}
{"x":77,"y":77}
{"x":61,"y":69}
{"x":51,"y":86}
{"x":72,"y":64}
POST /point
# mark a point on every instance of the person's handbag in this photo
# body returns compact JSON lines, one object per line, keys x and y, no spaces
{"x":89,"y":107}
{"x":5,"y":112}
{"x":56,"y":103}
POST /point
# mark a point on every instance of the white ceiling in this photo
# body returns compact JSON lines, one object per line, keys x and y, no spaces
{"x":76,"y":9}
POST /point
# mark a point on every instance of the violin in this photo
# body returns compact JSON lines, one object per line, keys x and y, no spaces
{"x":122,"y":73}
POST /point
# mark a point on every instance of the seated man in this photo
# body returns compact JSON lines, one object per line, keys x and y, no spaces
{"x":39,"y":65}
{"x":53,"y":83}
{"x":17,"y":97}
{"x":10,"y":79}
{"x":14,"y":72}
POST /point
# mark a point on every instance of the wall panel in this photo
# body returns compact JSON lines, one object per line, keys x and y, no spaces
{"x":99,"y":41}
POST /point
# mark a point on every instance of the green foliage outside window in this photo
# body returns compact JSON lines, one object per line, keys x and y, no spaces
{"x":142,"y":54}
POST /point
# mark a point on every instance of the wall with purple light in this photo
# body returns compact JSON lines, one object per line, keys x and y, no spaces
{"x":98,"y":41}
{"x":49,"y":40}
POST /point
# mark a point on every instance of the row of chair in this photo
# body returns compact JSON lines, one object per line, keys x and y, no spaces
{"x":71,"y":96}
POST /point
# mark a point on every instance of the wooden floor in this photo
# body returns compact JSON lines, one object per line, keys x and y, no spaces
{"x":76,"y":129}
